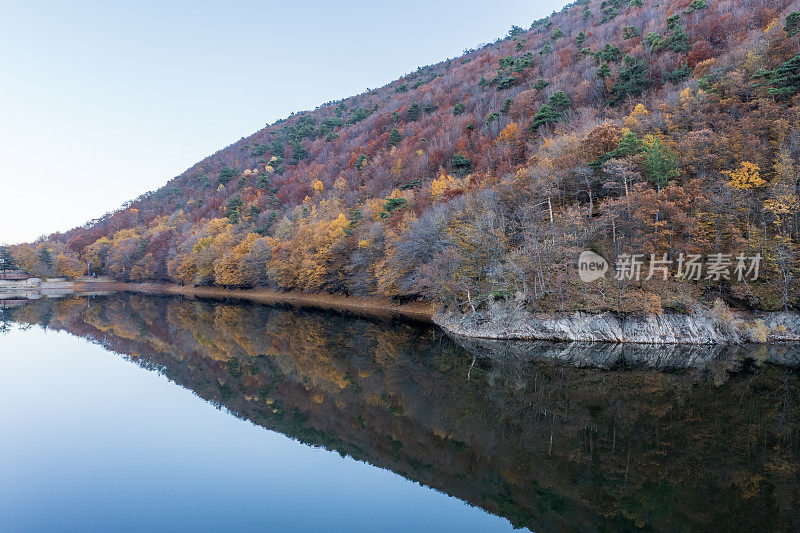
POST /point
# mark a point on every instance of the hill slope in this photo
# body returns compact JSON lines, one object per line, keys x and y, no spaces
{"x":624,"y":126}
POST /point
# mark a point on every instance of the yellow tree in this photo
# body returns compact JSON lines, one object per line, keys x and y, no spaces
{"x":228,"y":268}
{"x":26,"y":258}
{"x":95,"y":254}
{"x":388,"y":271}
{"x":314,"y":266}
{"x":480,"y":240}
{"x":443,"y":184}
{"x":69,"y":267}
{"x":509,"y":141}
{"x":742,"y":182}
{"x":746,"y":177}
{"x":634,"y":120}
{"x":509,"y":135}
{"x":182,"y":268}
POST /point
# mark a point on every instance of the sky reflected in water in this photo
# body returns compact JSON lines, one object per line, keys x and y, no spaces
{"x":92,"y":441}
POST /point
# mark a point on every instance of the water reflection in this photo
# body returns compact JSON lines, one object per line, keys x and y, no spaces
{"x":499,"y":425}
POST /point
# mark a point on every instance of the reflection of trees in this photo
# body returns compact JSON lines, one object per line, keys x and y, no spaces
{"x":546,"y":446}
{"x":6,"y":317}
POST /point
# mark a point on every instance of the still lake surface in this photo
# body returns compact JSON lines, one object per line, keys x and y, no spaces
{"x":130,"y":412}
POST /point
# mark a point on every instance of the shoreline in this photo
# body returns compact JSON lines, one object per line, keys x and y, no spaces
{"x":701,"y":326}
{"x":371,"y":306}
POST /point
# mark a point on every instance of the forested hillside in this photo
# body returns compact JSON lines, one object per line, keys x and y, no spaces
{"x":638,"y":126}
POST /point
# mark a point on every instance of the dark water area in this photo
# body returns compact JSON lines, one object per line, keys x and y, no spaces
{"x":183,"y":414}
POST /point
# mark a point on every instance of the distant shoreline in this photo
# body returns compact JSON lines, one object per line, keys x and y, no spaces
{"x":372,"y":306}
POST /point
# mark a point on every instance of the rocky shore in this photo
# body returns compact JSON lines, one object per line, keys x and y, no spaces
{"x":35,"y":288}
{"x":699,"y":326}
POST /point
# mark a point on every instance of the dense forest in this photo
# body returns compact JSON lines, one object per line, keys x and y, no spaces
{"x":621,"y":126}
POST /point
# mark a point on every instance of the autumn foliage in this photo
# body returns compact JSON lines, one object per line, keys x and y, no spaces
{"x":667,"y":127}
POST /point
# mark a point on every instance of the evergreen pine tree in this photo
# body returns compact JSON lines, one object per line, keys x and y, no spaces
{"x":413,"y":111}
{"x":6,"y":259}
{"x":559,"y":101}
{"x":792,"y":23}
{"x":395,"y":137}
{"x":632,"y":80}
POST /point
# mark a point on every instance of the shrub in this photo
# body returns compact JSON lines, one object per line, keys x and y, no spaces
{"x":459,"y":108}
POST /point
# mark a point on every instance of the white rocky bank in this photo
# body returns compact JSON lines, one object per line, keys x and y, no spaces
{"x":700,"y":326}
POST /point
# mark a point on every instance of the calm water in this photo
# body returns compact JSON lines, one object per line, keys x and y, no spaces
{"x":148,"y":413}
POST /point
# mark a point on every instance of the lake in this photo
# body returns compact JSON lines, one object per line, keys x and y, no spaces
{"x":133,"y":412}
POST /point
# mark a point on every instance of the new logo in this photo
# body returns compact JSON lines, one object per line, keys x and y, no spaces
{"x":591,"y":266}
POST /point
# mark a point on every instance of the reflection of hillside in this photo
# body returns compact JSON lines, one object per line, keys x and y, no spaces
{"x":608,"y":355}
{"x":549,"y":447}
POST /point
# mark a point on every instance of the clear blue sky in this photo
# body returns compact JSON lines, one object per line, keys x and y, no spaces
{"x":102,"y":101}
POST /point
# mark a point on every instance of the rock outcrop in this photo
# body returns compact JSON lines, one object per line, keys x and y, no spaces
{"x":701,"y":325}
